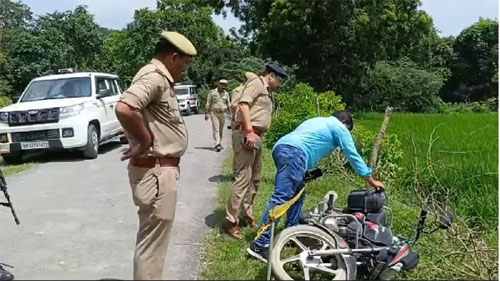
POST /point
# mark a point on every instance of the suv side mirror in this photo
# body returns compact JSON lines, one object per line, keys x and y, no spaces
{"x":103,"y":93}
{"x":446,"y":220}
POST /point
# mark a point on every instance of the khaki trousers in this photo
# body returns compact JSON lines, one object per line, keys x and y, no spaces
{"x":154,"y":191}
{"x":235,"y":147}
{"x":248,"y":163}
{"x":218,"y":120}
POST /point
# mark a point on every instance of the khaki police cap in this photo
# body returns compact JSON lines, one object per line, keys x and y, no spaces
{"x":180,"y":42}
{"x":250,"y":75}
{"x":223,"y":81}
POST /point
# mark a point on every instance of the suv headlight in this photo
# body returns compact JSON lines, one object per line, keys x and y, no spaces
{"x":69,"y":111}
{"x":4,"y":117}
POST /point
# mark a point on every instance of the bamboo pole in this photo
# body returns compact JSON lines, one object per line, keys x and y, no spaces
{"x":380,"y":138}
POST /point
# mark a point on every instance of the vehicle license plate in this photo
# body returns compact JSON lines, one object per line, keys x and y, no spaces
{"x":34,"y":145}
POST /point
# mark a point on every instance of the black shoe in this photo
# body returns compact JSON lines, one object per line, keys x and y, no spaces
{"x":258,"y":252}
{"x":217,"y":148}
{"x":5,"y":275}
{"x":229,"y":127}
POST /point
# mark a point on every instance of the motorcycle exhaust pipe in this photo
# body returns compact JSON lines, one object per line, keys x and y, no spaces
{"x":347,"y":251}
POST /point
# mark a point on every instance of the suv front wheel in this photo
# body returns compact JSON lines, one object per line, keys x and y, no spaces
{"x":91,"y":150}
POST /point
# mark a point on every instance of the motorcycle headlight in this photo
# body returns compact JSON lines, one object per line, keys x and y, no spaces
{"x":4,"y":117}
{"x":69,"y":111}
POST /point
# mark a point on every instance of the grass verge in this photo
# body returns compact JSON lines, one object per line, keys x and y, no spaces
{"x":224,"y":258}
{"x":14,"y":169}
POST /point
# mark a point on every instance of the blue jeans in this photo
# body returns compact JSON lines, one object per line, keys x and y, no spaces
{"x":290,"y":165}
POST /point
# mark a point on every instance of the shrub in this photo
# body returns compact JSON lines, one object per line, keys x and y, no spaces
{"x":389,"y":158}
{"x":300,"y":104}
{"x":402,"y":84}
{"x":489,"y":105}
{"x":5,"y":101}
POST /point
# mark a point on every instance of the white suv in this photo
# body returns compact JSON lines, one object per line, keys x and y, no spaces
{"x":187,"y":98}
{"x":63,"y":111}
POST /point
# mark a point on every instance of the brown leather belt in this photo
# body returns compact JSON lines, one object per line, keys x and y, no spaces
{"x":151,"y":162}
{"x":256,"y":130}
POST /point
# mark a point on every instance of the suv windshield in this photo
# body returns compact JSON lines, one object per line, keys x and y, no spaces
{"x":181,"y":92}
{"x":58,"y":89}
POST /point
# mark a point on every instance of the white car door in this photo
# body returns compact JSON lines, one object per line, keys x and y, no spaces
{"x":106,"y":105}
{"x":116,"y":128}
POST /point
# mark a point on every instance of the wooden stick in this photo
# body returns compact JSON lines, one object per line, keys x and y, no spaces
{"x":380,"y":138}
{"x":317,"y":104}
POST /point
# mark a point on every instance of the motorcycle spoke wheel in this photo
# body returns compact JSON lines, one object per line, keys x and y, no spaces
{"x":291,"y":260}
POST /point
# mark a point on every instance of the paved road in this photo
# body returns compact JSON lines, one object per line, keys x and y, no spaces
{"x":78,"y":220}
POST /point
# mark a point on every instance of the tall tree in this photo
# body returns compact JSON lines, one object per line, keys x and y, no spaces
{"x":333,"y":43}
{"x":475,"y":67}
{"x":131,"y":48}
{"x":14,"y":17}
{"x":14,"y":14}
{"x":54,"y":41}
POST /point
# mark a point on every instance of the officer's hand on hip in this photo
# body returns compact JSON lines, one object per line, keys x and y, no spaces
{"x":206,"y":116}
{"x":134,"y":150}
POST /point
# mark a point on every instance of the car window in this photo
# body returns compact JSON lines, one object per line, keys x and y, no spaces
{"x":112,"y":86}
{"x":193,"y":91}
{"x":100,"y":84}
{"x":58,"y":89}
{"x":181,"y":92}
{"x":118,"y":86}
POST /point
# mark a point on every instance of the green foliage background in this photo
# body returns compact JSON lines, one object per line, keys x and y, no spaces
{"x":370,"y":53}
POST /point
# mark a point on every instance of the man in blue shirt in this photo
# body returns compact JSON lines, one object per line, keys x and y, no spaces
{"x":300,"y":151}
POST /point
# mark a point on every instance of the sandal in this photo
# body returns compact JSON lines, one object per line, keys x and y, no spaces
{"x":233,"y":230}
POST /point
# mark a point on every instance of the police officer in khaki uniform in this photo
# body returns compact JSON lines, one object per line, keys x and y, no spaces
{"x":149,"y":114}
{"x":236,"y":93}
{"x":252,"y":120}
{"x":218,"y":104}
{"x":235,"y":99}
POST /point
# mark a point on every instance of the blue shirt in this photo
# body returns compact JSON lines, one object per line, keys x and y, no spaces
{"x":319,"y":136}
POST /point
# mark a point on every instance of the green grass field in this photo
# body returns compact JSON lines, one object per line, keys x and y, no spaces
{"x":225,"y":258}
{"x":465,"y":155}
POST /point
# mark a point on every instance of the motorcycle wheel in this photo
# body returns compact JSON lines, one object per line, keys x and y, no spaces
{"x":290,"y":261}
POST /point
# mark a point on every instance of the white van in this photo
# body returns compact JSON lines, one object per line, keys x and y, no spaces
{"x":187,"y":98}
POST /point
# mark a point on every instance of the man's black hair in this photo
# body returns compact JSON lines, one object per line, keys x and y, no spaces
{"x":164,"y":47}
{"x":346,"y":118}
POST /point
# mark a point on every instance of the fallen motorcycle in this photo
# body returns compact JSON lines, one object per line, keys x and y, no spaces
{"x":348,"y":243}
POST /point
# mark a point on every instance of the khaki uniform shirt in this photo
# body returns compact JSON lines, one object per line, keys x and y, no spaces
{"x":257,"y":95}
{"x":151,"y":92}
{"x":235,"y":97}
{"x":218,"y":102}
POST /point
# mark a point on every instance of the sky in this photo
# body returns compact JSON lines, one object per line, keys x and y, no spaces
{"x":450,"y":16}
